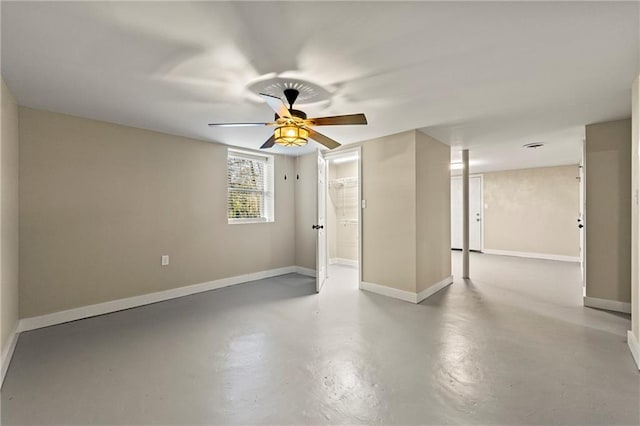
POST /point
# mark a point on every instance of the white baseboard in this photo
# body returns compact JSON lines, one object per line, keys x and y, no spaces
{"x":60,"y":317}
{"x":407,"y":296}
{"x":305,"y":271}
{"x":634,"y":346}
{"x":609,"y":305}
{"x":345,"y":262}
{"x":7,"y":352}
{"x":543,"y":256}
{"x":434,"y":289}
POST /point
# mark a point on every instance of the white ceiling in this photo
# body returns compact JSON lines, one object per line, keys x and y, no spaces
{"x":486,"y":76}
{"x":560,"y":148}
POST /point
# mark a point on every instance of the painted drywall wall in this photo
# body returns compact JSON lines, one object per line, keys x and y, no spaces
{"x":8,"y":217}
{"x":100,"y":203}
{"x":433,"y":214}
{"x":306,"y":210}
{"x":608,"y":210}
{"x":342,"y":211}
{"x":533,"y":210}
{"x":389,"y":220}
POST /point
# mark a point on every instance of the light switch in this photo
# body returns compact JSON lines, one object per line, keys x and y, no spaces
{"x":364,"y":204}
{"x":164,"y":260}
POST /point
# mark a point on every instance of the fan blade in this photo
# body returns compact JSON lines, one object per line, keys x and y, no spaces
{"x":322,"y":139}
{"x":277,"y":105}
{"x":337,"y":120}
{"x":269,"y":143}
{"x":241,"y":124}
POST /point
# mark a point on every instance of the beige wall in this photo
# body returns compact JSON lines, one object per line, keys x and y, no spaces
{"x":389,"y":220}
{"x":8,"y":217}
{"x":306,"y":210}
{"x":608,"y":210}
{"x":533,"y":210}
{"x":100,"y":203}
{"x":433,"y":217}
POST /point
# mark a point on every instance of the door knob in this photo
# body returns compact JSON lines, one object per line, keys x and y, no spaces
{"x":317,"y":227}
{"x":580,"y":226}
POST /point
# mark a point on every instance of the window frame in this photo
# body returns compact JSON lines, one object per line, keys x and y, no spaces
{"x":267,"y":214}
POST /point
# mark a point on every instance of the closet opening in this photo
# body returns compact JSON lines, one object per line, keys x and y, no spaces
{"x":343,"y":216}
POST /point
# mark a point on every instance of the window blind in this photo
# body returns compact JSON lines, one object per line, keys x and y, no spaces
{"x":250,"y":187}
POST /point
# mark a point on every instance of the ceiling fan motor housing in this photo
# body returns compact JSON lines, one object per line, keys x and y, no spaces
{"x":295,"y":113}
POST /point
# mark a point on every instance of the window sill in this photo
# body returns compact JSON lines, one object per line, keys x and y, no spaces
{"x":245,"y":221}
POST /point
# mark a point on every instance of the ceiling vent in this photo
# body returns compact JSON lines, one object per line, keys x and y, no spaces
{"x":533,"y":145}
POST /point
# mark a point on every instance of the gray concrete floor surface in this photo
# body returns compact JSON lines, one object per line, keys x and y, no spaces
{"x":511,"y":346}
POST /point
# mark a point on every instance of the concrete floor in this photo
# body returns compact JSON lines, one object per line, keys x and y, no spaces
{"x":512,"y":346}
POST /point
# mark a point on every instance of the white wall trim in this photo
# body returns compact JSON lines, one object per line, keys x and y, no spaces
{"x":609,"y":305}
{"x":345,"y":262}
{"x":383,"y":290}
{"x":434,"y":289}
{"x":7,"y":353}
{"x":635,"y":347}
{"x":60,"y":317}
{"x":407,"y":296}
{"x":305,"y":271}
{"x":544,"y":256}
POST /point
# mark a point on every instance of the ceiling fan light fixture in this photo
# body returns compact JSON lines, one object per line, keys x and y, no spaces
{"x":292,"y":124}
{"x":291,"y":135}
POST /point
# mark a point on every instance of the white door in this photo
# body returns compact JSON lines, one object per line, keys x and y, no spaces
{"x":581,"y":214}
{"x":321,"y":252}
{"x":475,"y":213}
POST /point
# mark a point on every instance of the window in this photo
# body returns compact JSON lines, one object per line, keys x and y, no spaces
{"x":250,"y":187}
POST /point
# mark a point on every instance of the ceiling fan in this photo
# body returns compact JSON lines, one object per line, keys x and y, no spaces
{"x":293,"y":128}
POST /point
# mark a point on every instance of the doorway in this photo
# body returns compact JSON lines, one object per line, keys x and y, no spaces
{"x":343,"y":216}
{"x":525,"y":220}
{"x":475,"y":213}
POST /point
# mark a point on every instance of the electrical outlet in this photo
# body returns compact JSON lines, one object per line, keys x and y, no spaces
{"x":164,"y":260}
